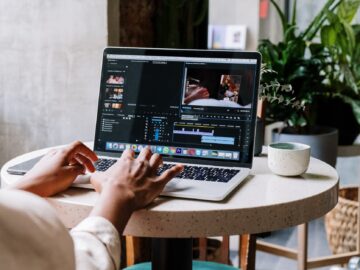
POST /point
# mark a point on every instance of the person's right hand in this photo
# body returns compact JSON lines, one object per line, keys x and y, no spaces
{"x":135,"y":179}
{"x":128,"y":185}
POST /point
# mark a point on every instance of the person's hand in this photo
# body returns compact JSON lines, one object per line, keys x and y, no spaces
{"x":56,"y":171}
{"x":135,"y":178}
{"x":196,"y":92}
{"x":128,"y":185}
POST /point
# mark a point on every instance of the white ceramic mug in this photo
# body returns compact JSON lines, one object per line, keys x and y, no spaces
{"x":288,"y":158}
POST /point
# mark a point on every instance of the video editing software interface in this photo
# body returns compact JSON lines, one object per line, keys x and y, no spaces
{"x":193,"y":107}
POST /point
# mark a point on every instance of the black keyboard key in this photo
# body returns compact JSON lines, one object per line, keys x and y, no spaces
{"x":104,"y":164}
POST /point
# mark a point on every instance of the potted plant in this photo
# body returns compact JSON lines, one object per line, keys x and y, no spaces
{"x":338,"y":43}
{"x":302,"y":63}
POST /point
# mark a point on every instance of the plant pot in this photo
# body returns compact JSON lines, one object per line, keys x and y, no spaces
{"x":338,"y":114}
{"x":323,"y":142}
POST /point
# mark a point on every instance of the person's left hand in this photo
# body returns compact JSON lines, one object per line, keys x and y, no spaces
{"x":56,"y":171}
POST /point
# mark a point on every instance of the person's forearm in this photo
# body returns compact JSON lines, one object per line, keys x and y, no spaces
{"x":116,"y":205}
{"x":36,"y":186}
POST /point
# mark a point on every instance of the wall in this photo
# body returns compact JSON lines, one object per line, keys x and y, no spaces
{"x":50,"y":60}
{"x":245,"y":12}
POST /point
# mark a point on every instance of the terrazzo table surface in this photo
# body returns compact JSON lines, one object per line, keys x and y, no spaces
{"x":263,"y":202}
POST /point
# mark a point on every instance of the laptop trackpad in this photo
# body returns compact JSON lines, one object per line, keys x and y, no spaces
{"x":173,"y":185}
{"x":83,"y":181}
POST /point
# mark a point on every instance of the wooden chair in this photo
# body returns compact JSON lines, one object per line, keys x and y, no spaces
{"x":137,"y":250}
{"x":246,"y":251}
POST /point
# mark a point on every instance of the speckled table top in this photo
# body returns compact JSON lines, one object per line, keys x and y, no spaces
{"x":263,"y":202}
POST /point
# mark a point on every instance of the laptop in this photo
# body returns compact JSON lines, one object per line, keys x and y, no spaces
{"x":195,"y":107}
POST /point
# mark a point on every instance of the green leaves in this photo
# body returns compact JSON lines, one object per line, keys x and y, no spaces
{"x":295,"y":121}
{"x":281,"y":15}
{"x":349,"y":36}
{"x":328,"y":69}
{"x":355,"y":104}
{"x":319,"y":20}
{"x":293,"y":21}
{"x":328,"y":36}
{"x":349,"y":78}
{"x":348,"y":9}
{"x":338,"y":33}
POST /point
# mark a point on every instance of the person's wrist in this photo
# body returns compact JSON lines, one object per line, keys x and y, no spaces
{"x":120,"y":193}
{"x":24,"y":183}
{"x":116,"y":204}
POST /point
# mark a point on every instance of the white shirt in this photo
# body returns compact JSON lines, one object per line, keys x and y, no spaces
{"x":32,"y":237}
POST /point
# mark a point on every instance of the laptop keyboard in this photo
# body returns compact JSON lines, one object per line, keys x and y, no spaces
{"x":103,"y":164}
{"x":190,"y":172}
{"x":203,"y":173}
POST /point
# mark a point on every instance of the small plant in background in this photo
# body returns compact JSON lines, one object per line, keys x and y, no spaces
{"x":270,"y":90}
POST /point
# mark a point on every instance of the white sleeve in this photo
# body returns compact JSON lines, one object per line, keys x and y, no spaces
{"x":96,"y":244}
{"x":32,"y":237}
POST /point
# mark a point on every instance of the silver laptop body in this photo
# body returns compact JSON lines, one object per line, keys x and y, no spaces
{"x":196,"y":107}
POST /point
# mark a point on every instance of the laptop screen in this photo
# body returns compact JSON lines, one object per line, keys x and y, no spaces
{"x":183,"y":104}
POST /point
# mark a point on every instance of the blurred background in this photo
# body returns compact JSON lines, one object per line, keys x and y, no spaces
{"x":50,"y":59}
{"x":50,"y":55}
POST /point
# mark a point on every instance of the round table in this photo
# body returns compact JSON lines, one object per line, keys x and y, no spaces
{"x":263,"y":202}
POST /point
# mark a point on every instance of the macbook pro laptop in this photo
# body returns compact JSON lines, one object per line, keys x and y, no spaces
{"x":195,"y":107}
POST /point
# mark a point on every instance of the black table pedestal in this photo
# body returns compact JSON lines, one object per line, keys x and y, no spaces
{"x":171,"y":253}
